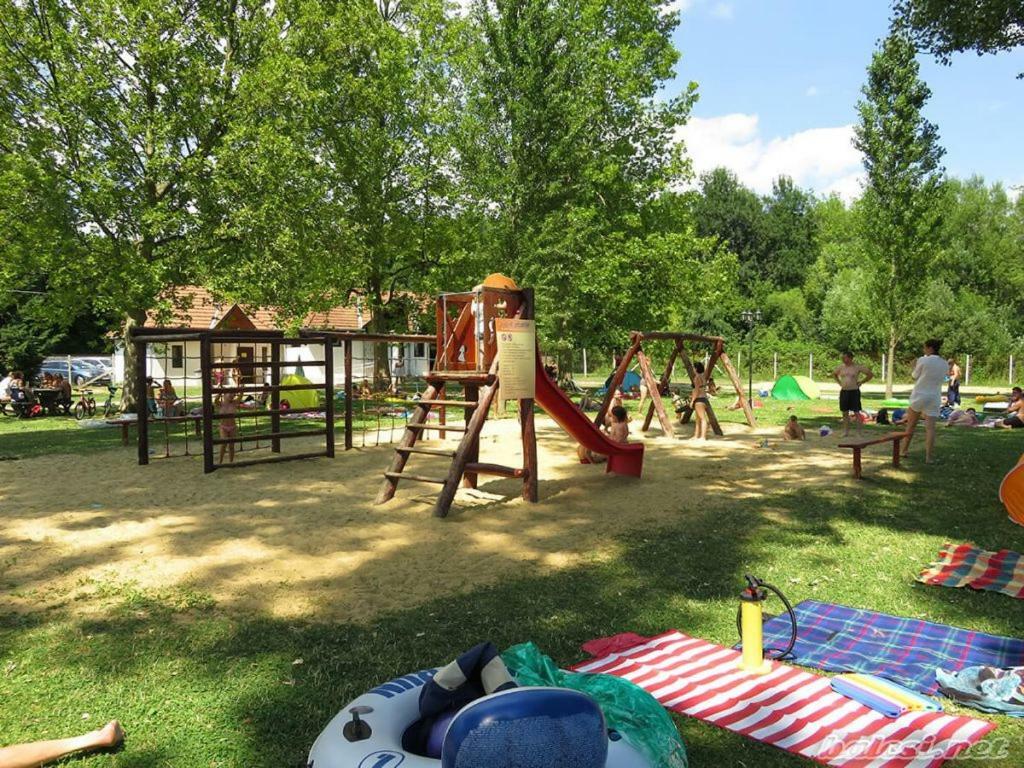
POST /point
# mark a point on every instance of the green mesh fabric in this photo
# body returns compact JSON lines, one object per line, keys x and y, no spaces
{"x":627,"y":708}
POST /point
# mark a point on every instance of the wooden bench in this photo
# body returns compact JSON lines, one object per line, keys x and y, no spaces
{"x":127,"y":424}
{"x":859,"y":445}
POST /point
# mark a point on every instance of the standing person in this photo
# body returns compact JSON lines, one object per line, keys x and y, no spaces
{"x":5,"y":386}
{"x":849,"y":375}
{"x":926,"y":397}
{"x":700,"y":402}
{"x":953,"y":390}
{"x":227,"y":406}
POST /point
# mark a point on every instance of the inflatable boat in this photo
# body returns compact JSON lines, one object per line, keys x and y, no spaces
{"x":512,"y":727}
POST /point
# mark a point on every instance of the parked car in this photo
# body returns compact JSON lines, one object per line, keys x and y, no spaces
{"x":103,"y":363}
{"x":81,"y":372}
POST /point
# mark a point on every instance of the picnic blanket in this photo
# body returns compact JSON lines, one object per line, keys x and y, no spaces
{"x":907,"y":651}
{"x":789,"y":708}
{"x":964,"y":565}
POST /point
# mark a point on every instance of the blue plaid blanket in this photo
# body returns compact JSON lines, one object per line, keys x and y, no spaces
{"x":838,"y":638}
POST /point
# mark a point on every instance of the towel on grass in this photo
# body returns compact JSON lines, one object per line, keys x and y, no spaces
{"x":907,"y":651}
{"x":964,"y":565}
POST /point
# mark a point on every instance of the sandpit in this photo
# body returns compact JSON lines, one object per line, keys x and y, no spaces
{"x":304,"y":540}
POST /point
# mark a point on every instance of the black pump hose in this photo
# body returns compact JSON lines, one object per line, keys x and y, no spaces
{"x":780,"y":655}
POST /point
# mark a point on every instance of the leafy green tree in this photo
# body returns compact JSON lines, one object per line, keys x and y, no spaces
{"x":734,"y":215}
{"x":565,"y":139}
{"x":849,"y":320}
{"x":840,"y":247}
{"x":944,"y":28}
{"x":791,"y":235}
{"x":902,"y":159}
{"x":121,"y":106}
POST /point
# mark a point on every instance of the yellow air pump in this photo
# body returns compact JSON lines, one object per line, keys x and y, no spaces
{"x":751,"y":625}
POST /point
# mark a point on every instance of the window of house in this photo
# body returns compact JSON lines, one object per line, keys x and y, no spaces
{"x":177,"y":356}
{"x":419,"y":350}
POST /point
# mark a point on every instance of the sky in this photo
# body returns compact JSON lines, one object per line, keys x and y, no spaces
{"x":779,"y":82}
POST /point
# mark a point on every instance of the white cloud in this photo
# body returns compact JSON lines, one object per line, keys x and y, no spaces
{"x":724,"y":11}
{"x":678,"y":6}
{"x":823,"y":159}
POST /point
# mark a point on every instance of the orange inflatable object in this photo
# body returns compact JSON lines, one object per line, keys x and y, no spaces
{"x":498,"y":280}
{"x":1011,"y":492}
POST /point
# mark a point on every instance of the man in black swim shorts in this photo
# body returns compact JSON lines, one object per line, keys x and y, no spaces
{"x":849,"y":375}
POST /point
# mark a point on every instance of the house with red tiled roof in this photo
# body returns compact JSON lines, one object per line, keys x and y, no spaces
{"x":193,"y":307}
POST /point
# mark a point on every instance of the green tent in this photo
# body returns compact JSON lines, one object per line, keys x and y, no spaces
{"x":299,"y":398}
{"x":795,"y":388}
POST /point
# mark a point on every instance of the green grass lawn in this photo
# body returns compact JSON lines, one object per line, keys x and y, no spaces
{"x":197,"y":686}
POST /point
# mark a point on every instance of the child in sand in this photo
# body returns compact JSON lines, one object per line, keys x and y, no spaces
{"x":227,"y":405}
{"x":793,"y":430}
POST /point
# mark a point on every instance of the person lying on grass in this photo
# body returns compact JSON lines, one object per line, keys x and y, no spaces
{"x":42,"y":752}
{"x":793,"y":430}
{"x":965,"y":418}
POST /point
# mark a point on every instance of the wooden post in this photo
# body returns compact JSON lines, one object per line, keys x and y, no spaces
{"x":348,"y":394}
{"x":896,"y":453}
{"x":275,"y":395}
{"x":616,"y":380}
{"x":734,"y":377}
{"x":526,"y":421}
{"x":653,"y":388}
{"x":207,"y":377}
{"x":141,"y":402}
{"x":666,"y":380}
{"x":529,"y":433}
{"x":692,"y":373}
{"x":469,"y":479}
{"x":329,"y":389}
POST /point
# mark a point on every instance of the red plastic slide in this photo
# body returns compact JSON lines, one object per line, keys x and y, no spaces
{"x":623,"y":459}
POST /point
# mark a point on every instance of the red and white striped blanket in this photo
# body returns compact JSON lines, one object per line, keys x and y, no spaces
{"x":788,"y":708}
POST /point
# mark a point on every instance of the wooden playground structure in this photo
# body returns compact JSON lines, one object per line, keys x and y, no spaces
{"x":260,"y":379}
{"x":659,"y":388}
{"x":468,"y":357}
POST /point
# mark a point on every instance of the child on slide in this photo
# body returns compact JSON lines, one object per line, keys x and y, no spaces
{"x":617,"y":428}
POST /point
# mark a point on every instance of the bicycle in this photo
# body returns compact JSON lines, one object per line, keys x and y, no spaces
{"x":86,"y":405}
{"x":109,"y":409}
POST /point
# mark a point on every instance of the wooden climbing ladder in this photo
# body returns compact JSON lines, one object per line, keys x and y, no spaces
{"x":467,"y":358}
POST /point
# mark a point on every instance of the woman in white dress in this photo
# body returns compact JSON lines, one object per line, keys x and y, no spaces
{"x":926,"y":397}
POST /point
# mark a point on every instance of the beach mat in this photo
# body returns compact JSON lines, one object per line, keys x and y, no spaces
{"x":964,"y":565}
{"x":789,"y":708}
{"x":907,"y":651}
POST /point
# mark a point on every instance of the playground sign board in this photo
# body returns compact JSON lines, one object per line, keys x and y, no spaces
{"x":517,"y":353}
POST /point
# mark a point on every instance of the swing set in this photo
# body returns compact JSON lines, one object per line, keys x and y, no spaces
{"x":659,"y":388}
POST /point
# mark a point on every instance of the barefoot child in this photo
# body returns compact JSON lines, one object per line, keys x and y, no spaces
{"x":227,"y":405}
{"x":618,"y":429}
{"x":793,"y":430}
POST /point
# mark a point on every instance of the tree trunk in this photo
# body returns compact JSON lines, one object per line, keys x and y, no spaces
{"x":381,"y":361}
{"x":891,"y":362}
{"x":130,"y":396}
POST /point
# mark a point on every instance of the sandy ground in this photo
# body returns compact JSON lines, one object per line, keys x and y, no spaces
{"x":303,"y":539}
